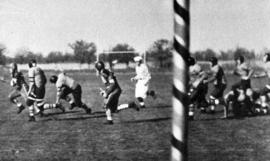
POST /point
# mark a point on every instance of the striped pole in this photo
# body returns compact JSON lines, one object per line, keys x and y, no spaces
{"x":180,"y":81}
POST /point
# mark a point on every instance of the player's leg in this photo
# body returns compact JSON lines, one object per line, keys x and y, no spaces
{"x":30,"y":103}
{"x":141,"y":93}
{"x":77,"y":94}
{"x":151,"y":93}
{"x":65,"y":96}
{"x":13,"y":99}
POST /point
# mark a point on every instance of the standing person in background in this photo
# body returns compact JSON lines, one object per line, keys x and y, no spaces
{"x":66,"y":85}
{"x":142,"y":80}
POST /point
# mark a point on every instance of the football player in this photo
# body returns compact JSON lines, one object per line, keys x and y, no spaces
{"x":244,"y":72}
{"x":198,"y":88}
{"x":36,"y":91}
{"x":66,"y":85}
{"x":265,"y":92}
{"x":241,"y":95}
{"x":18,"y":83}
{"x":219,"y":80}
{"x":112,"y":92}
{"x":142,"y":80}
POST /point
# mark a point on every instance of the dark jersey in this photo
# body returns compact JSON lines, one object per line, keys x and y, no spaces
{"x":219,"y":75}
{"x":19,"y":81}
{"x":109,"y":80}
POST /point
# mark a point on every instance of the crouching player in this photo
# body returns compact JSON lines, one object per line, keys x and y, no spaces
{"x":219,"y":80}
{"x":112,"y":92}
{"x":265,"y":92}
{"x":36,"y":92}
{"x":66,"y":85}
{"x":142,"y":80}
{"x":18,"y":83}
{"x":198,"y":88}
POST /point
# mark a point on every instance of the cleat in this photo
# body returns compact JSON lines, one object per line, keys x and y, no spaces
{"x":62,"y":108}
{"x":40,"y":113}
{"x":134,"y":106}
{"x":190,"y":118}
{"x":71,"y":107}
{"x":143,"y":106}
{"x":153,"y":94}
{"x":32,"y":119}
{"x":88,"y":110}
{"x":108,"y":122}
{"x":20,"y":109}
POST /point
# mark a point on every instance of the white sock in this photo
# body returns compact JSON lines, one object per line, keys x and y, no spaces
{"x":31,"y":110}
{"x":19,"y":104}
{"x":122,"y":106}
{"x":49,"y":106}
{"x":109,"y":114}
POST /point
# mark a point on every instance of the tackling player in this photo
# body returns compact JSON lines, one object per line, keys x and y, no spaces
{"x":66,"y":85}
{"x":36,"y":91}
{"x":219,"y":80}
{"x":198,"y":88}
{"x":142,"y":80}
{"x":112,"y":92}
{"x":18,"y":83}
{"x":244,"y":72}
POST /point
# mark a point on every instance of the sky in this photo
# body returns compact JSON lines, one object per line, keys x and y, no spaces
{"x":50,"y":25}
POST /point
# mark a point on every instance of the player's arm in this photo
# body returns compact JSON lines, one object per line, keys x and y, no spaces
{"x":58,"y":94}
{"x":250,"y":73}
{"x":59,"y":87}
{"x":31,"y":78}
{"x":261,"y":75}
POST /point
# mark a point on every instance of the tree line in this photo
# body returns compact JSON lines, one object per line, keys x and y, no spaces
{"x":159,"y":53}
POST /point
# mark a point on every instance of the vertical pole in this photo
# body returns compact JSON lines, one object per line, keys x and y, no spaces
{"x":180,"y":80}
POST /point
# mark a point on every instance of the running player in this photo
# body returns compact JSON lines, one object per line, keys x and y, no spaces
{"x":18,"y":83}
{"x":112,"y":92}
{"x":142,"y":80}
{"x":66,"y":85}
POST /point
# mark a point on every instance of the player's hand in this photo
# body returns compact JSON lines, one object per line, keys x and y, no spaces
{"x":132,"y":79}
{"x":105,"y":95}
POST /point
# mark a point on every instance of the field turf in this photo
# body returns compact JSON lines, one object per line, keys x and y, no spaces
{"x":135,"y":136}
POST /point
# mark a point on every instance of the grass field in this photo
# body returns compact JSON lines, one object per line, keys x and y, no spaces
{"x":135,"y":136}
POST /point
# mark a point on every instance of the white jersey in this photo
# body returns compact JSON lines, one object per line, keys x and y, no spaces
{"x":142,"y":73}
{"x":65,"y":81}
{"x":143,"y":77}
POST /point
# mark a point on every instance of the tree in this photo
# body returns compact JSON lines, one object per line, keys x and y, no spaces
{"x":2,"y":56}
{"x":54,"y":57}
{"x":161,"y":51}
{"x":125,"y":55}
{"x":84,"y":52}
{"x":244,"y":52}
{"x":204,"y":54}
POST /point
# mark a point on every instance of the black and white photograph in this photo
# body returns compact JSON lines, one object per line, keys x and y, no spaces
{"x":134,"y":80}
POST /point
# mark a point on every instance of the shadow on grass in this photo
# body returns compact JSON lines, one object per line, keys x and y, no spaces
{"x":161,"y":106}
{"x":83,"y":117}
{"x":147,"y":120}
{"x":59,"y":113}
